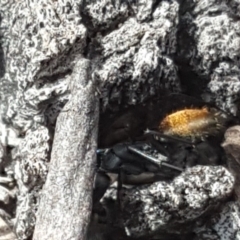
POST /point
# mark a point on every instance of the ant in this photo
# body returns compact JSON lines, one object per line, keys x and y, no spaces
{"x":180,"y":130}
{"x":156,"y":141}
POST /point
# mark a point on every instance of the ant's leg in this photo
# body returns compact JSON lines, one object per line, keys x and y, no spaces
{"x":119,"y":188}
{"x":102,"y":150}
{"x":101,"y":184}
{"x":154,"y":160}
{"x":157,"y":145}
{"x":146,"y":178}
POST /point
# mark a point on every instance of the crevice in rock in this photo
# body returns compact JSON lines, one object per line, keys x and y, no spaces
{"x":191,"y":82}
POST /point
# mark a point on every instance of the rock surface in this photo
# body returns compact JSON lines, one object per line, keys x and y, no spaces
{"x":188,"y":197}
{"x":137,"y":49}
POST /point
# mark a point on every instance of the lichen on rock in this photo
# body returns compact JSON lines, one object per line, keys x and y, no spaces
{"x":137,"y":49}
{"x":176,"y":207}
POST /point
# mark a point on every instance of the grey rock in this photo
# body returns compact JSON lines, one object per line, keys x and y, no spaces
{"x":137,"y":49}
{"x":176,"y":207}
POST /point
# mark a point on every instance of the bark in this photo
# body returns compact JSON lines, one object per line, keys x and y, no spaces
{"x":65,"y":205}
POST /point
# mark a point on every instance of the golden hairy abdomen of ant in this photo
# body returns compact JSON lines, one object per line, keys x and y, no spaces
{"x":192,"y":122}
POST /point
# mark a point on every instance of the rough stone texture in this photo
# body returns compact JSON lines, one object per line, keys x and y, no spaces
{"x":137,"y":48}
{"x":135,"y":56}
{"x":212,"y":28}
{"x":38,"y":62}
{"x":225,"y":224}
{"x":177,"y":206}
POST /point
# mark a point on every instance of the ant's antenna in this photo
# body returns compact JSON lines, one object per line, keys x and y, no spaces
{"x":176,"y":139}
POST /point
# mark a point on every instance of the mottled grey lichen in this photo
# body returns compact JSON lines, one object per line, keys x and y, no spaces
{"x":214,"y":26}
{"x":101,"y":15}
{"x":161,"y":205}
{"x":136,"y":58}
{"x":224,"y":225}
{"x":40,"y":41}
{"x":132,"y":45}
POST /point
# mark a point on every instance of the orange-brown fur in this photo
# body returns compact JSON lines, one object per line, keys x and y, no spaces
{"x":190,"y":123}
